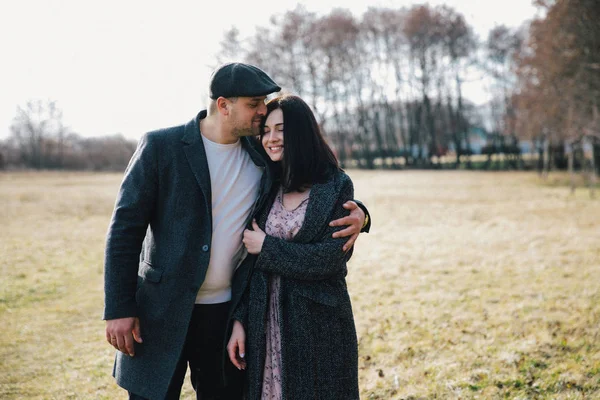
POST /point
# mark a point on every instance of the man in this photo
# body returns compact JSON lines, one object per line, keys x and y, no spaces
{"x":175,"y":240}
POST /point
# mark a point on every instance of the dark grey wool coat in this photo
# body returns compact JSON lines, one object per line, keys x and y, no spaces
{"x":319,"y":344}
{"x":158,"y":249}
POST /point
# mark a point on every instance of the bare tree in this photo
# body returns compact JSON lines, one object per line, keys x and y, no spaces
{"x":422,"y":29}
{"x":559,"y":76}
{"x":39,"y":133}
{"x":231,"y":47}
{"x":460,"y":44}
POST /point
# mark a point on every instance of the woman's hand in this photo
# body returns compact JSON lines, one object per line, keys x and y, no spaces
{"x":253,"y":240}
{"x":237,"y":346}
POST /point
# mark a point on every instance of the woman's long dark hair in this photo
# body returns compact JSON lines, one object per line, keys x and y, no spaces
{"x":307,"y":158}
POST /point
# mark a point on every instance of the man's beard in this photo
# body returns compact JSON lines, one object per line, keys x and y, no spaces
{"x":246,"y":131}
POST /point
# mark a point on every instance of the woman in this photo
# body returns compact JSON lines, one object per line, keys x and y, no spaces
{"x":295,"y":318}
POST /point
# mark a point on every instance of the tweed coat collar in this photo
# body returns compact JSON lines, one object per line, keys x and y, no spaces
{"x":196,"y":153}
{"x":321,"y":201}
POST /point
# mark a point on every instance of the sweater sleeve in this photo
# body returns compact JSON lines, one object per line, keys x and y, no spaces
{"x":309,"y":261}
{"x":133,"y":210}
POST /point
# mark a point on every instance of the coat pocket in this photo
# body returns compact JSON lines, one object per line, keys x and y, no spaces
{"x":149,"y":273}
{"x":318,"y":296}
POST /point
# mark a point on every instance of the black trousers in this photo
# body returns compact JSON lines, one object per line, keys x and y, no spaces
{"x":204,"y":353}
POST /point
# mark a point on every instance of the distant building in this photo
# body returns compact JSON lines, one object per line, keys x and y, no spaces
{"x":479,"y":138}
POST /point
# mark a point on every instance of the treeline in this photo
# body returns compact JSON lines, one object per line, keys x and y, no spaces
{"x":388,"y":86}
{"x":39,"y":140}
{"x":388,"y":90}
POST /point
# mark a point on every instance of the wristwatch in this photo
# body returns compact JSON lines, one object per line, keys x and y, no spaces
{"x":366,"y":221}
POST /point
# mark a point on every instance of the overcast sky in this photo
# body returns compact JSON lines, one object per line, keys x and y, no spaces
{"x":129,"y":66}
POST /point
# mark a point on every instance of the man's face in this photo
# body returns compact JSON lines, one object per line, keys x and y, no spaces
{"x":246,"y":114}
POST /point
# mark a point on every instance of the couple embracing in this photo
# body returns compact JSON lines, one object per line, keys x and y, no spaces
{"x":227,"y":253}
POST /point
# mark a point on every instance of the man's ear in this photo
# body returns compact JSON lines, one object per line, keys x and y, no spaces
{"x":223,"y":106}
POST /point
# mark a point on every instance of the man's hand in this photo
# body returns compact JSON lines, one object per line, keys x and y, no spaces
{"x":354,"y":222}
{"x":121,"y":333}
{"x":253,"y":240}
{"x":237,"y":346}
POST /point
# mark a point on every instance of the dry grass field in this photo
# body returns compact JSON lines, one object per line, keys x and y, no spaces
{"x":470,"y":286}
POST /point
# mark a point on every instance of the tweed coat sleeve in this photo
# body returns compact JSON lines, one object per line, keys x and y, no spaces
{"x":133,"y":210}
{"x":241,"y":311}
{"x":367,"y":214}
{"x":318,"y":260}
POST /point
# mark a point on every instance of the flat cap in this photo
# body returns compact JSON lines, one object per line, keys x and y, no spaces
{"x":239,"y":79}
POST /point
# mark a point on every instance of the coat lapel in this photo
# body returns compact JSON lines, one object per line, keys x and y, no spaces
{"x":322,"y":200}
{"x":196,"y":156}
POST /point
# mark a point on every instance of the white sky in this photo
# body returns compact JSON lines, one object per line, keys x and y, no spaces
{"x":130,"y":66}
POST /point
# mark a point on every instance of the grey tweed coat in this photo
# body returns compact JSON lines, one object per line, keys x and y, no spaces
{"x":319,"y":344}
{"x":158,"y":249}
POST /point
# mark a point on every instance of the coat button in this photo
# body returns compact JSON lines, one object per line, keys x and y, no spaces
{"x":205,"y":247}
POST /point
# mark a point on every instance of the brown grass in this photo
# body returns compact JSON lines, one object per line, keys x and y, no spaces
{"x":470,"y":285}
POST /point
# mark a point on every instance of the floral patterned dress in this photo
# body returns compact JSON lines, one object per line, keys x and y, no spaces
{"x":283,"y":224}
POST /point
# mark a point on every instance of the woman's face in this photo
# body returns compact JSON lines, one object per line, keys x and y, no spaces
{"x":272,"y":139}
